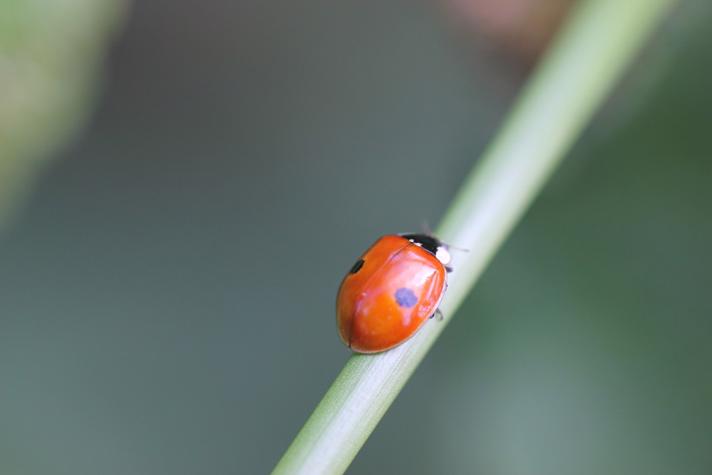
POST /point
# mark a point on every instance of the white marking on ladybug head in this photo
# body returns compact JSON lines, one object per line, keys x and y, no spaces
{"x":443,"y":255}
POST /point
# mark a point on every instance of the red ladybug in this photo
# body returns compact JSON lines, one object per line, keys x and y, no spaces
{"x":389,"y":293}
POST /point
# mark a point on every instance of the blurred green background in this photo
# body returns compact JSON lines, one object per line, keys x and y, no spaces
{"x":167,"y":279}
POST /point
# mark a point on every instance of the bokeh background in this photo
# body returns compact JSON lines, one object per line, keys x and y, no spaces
{"x":183,"y":185}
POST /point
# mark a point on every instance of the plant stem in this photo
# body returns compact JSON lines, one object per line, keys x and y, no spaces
{"x":590,"y":53}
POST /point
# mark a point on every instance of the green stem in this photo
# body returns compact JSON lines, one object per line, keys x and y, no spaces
{"x":589,"y":55}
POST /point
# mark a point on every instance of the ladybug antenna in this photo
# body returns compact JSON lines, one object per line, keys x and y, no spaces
{"x":425,"y":227}
{"x":457,"y":248}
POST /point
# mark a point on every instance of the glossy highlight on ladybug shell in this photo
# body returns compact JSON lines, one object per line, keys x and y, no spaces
{"x":390,"y":292}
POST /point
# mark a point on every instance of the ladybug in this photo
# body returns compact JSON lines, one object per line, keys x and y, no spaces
{"x":391,"y":290}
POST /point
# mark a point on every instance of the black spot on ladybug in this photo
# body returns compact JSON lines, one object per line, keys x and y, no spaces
{"x":405,"y":297}
{"x":357,"y":266}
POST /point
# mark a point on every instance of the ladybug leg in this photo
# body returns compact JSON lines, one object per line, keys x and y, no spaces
{"x":438,"y":315}
{"x":448,"y":269}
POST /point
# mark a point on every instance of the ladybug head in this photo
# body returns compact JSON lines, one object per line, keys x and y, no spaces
{"x":431,"y":244}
